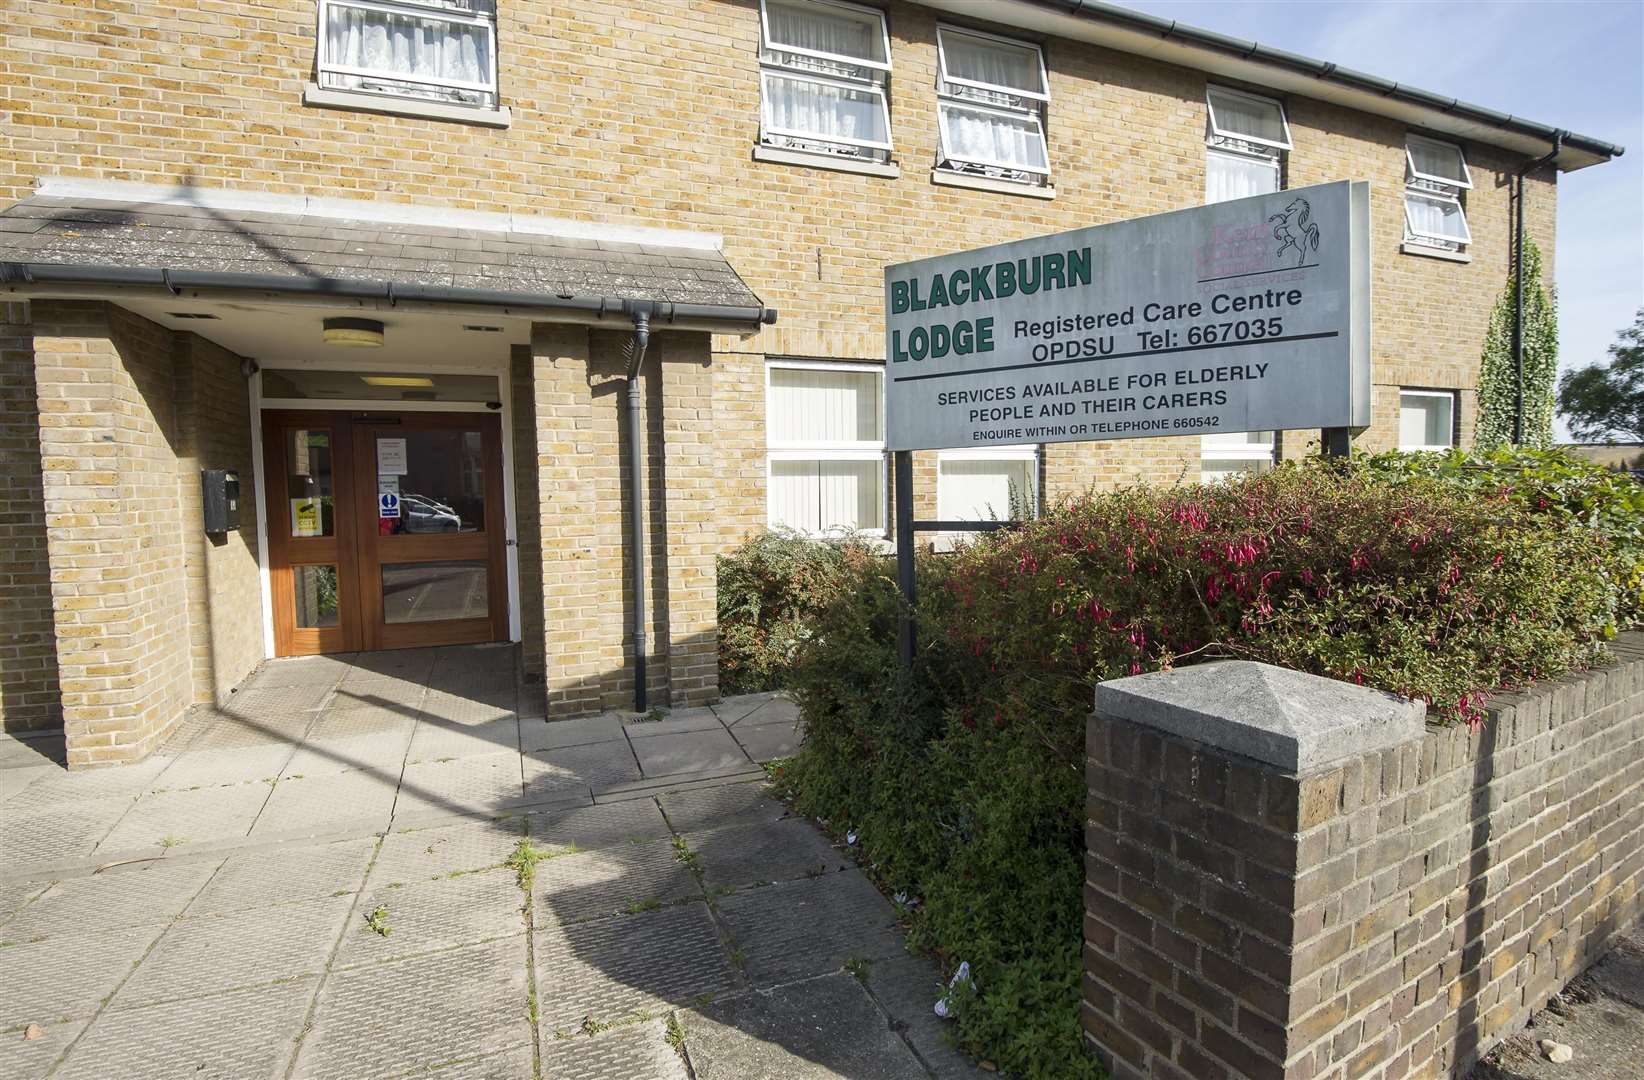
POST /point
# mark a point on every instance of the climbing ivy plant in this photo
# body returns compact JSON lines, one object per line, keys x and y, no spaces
{"x":1497,"y":377}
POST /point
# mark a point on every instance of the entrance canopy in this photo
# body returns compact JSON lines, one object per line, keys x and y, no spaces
{"x":111,"y":239}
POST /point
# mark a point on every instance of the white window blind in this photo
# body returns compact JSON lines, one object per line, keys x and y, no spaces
{"x":1427,"y":419}
{"x":991,"y":93}
{"x":1436,"y":180}
{"x":439,"y":51}
{"x":984,"y":485}
{"x":823,"y":75}
{"x":825,"y":436}
{"x":1232,"y":175}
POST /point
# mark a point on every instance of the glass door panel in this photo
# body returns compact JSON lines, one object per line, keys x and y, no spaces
{"x":311,"y":536}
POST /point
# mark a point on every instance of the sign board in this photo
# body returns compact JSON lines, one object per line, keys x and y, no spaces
{"x":388,"y":505}
{"x":305,"y":517}
{"x":391,"y":457}
{"x":388,"y":485}
{"x":1246,"y":315}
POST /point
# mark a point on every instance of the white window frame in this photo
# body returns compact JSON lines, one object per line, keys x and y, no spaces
{"x":1028,"y":453}
{"x":435,"y":12}
{"x":827,"y":449}
{"x":1466,"y":180}
{"x":942,"y":32}
{"x":766,"y":125}
{"x":1237,"y":452}
{"x":1414,"y":233}
{"x":946,"y":103}
{"x":767,"y":42}
{"x":1445,"y":395}
{"x":1212,"y":91}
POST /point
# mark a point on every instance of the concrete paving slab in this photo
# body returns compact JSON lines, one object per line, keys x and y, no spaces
{"x":610,"y":970}
{"x":435,"y":740}
{"x":611,"y":881}
{"x":752,"y":710}
{"x":727,"y":804}
{"x":512,"y":1064}
{"x":327,"y":803}
{"x":33,"y":1059}
{"x":447,"y":1007}
{"x":810,"y":927}
{"x":425,"y":854}
{"x":219,"y":768}
{"x":539,"y":734}
{"x":380,"y":755}
{"x":433,"y":915}
{"x":821,"y":1029}
{"x":484,"y":783}
{"x":736,"y":856}
{"x":907,"y":988}
{"x":187,"y":817}
{"x":414,"y":663}
{"x":290,"y":873}
{"x":303,"y":670}
{"x":769,"y":742}
{"x":637,"y":1051}
{"x":695,"y":751}
{"x":44,"y":835}
{"x":248,"y":1035}
{"x":591,"y":768}
{"x":55,"y":785}
{"x":215,"y":729}
{"x":363,"y":690}
{"x":15,"y":778}
{"x":278,"y":701}
{"x":210,"y":953}
{"x":122,"y":897}
{"x":697,"y":719}
{"x":15,"y":896}
{"x":472,"y":707}
{"x":592,"y":828}
{"x":68,"y":975}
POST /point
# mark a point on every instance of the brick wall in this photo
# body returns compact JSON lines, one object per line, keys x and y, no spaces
{"x":28,"y":653}
{"x":648,"y":115}
{"x":1393,"y":914}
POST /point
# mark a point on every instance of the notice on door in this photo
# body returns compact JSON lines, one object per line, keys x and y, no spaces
{"x":388,"y":505}
{"x":1246,"y":315}
{"x":305,"y":517}
{"x":388,"y":485}
{"x":391,"y":457}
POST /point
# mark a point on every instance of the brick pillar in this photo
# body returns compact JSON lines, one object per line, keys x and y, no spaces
{"x":527,"y":512}
{"x":690,"y":518}
{"x":113,"y":528}
{"x":1290,"y":877}
{"x":28,"y":655}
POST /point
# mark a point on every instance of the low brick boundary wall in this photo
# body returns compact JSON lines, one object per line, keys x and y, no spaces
{"x":1292,"y":877}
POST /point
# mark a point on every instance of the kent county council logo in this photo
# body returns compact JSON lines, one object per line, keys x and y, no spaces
{"x":1295,"y":231}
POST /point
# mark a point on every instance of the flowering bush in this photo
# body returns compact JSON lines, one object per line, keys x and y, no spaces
{"x":770,"y":590}
{"x":963,"y":778}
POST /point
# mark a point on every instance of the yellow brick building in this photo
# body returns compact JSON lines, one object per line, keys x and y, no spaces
{"x":194,"y":194}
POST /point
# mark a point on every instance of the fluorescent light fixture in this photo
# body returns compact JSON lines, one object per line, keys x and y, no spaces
{"x":397,"y":380}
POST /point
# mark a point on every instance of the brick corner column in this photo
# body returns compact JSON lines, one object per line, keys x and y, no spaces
{"x":690,"y":505}
{"x":1229,"y":855}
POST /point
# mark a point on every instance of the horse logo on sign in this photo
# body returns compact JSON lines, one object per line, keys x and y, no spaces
{"x":1295,"y":231}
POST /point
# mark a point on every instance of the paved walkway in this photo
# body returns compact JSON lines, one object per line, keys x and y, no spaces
{"x":324,"y":880}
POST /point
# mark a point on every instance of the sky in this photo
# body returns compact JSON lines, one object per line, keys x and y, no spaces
{"x":1574,"y":64}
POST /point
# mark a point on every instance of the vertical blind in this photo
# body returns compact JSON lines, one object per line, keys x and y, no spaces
{"x":982,"y":489}
{"x":816,"y":496}
{"x":815,"y":405}
{"x":825,"y":428}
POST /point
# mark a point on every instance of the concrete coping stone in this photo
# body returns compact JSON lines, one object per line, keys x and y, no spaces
{"x":1287,"y":719}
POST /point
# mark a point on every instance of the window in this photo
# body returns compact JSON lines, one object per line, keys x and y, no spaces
{"x":1436,"y":181}
{"x":825,"y":431}
{"x":1427,"y":419}
{"x":437,"y":50}
{"x":822,"y":78}
{"x":995,"y":484}
{"x":991,"y":94}
{"x":1221,"y":456}
{"x":1246,"y":137}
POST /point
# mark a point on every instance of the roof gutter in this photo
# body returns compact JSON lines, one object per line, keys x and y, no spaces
{"x":178,"y":281}
{"x":1191,"y":37}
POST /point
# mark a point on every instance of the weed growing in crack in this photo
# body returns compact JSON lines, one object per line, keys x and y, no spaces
{"x":377,"y":921}
{"x":650,"y":903}
{"x":684,"y":854}
{"x":859,"y":967}
{"x":674,"y":1032}
{"x":523,"y":862}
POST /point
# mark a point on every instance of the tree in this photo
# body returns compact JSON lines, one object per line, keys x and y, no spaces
{"x":1604,"y":402}
{"x":1498,"y":378}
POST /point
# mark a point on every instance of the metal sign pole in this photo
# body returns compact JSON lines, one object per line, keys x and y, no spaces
{"x":904,"y":555}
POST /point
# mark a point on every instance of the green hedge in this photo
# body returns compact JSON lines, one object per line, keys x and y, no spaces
{"x":964,"y":779}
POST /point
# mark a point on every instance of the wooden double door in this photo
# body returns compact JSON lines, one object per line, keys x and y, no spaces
{"x":385,"y":529}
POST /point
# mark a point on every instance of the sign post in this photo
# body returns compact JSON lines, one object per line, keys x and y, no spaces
{"x":1246,"y":315}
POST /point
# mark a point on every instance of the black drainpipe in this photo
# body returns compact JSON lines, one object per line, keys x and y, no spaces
{"x":1518,"y":286}
{"x":636,"y":473}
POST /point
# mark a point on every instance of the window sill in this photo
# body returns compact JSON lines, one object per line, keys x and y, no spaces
{"x":1435,"y":253}
{"x":356,"y":101}
{"x":949,"y":178}
{"x":778,"y":156}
